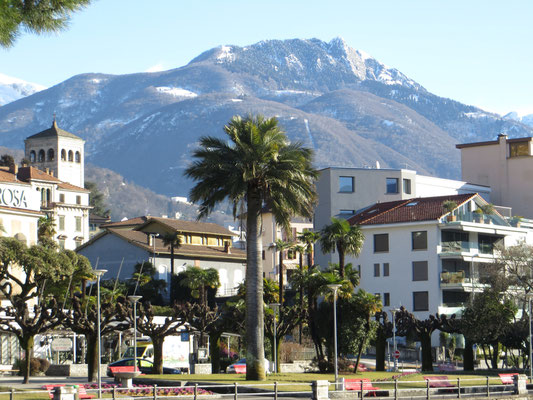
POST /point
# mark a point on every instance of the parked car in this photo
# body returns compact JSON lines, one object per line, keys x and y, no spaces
{"x":145,"y":366}
{"x":239,"y":367}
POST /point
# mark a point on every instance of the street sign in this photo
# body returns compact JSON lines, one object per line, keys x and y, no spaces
{"x":61,"y":344}
{"x":397,"y":354}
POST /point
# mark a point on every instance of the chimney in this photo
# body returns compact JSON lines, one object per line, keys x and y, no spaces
{"x":14,"y":169}
{"x":150,"y":240}
{"x":227,"y":247}
{"x":51,"y":173}
{"x":47,"y":170}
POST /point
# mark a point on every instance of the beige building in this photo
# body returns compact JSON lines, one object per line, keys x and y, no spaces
{"x":271,"y":232}
{"x":506,"y":165}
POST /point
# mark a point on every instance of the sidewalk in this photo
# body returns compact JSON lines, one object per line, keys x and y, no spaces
{"x":36,"y":382}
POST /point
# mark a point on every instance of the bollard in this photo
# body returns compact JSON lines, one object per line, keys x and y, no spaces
{"x":488,"y":387}
{"x":155,"y":392}
{"x":427,"y":389}
{"x":520,"y":384}
{"x":12,"y":394}
{"x":361,"y":389}
{"x":195,"y":391}
{"x":458,"y":388}
{"x":396,"y":389}
{"x":236,"y":392}
{"x":275,"y":390}
{"x":320,"y":390}
{"x":343,"y":385}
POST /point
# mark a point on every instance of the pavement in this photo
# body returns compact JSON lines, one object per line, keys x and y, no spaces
{"x":36,"y":382}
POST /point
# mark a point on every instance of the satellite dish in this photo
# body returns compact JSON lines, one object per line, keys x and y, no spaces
{"x":377,"y":165}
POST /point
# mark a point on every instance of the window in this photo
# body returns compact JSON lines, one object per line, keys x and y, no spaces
{"x":78,"y":242}
{"x":346,"y":212}
{"x":386,"y":299}
{"x":420,"y":270}
{"x":78,"y":224}
{"x":392,"y":185}
{"x":420,"y":301}
{"x":407,"y":186}
{"x":519,"y":149}
{"x":454,"y":241}
{"x":62,"y":244}
{"x":385,"y":269}
{"x":77,"y":157}
{"x":41,"y":156}
{"x":61,"y":197}
{"x":263,"y":255}
{"x":346,"y":184}
{"x":32,"y":156}
{"x":376,"y":269}
{"x":381,"y":242}
{"x":486,"y":243}
{"x":419,"y":240}
{"x":51,"y":155}
{"x":70,"y":156}
{"x":78,"y":199}
{"x":63,"y":155}
{"x":61,"y":222}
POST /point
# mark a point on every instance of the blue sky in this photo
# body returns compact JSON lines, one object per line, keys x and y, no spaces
{"x":476,"y":52}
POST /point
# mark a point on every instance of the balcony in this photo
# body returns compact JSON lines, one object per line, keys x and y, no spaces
{"x":456,"y":248}
{"x":491,"y":219}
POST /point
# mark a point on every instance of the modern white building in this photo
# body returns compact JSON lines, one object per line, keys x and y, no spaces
{"x":415,"y":256}
{"x":342,"y":192}
{"x":123,"y":244}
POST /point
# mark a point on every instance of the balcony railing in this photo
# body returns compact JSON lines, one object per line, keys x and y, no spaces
{"x":480,"y":218}
{"x":453,"y":277}
{"x":467,"y":247}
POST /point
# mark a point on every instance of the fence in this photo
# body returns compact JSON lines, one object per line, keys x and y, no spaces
{"x":434,"y":387}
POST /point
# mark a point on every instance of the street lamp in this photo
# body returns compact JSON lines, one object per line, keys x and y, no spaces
{"x":133,"y":300}
{"x":99,"y":273}
{"x":334,"y":287}
{"x":393,"y":311}
{"x":530,"y":352}
{"x":275,"y":307}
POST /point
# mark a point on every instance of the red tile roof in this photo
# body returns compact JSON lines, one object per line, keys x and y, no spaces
{"x":179,"y":225}
{"x":29,"y":173}
{"x":411,"y":210}
{"x":126,"y":223}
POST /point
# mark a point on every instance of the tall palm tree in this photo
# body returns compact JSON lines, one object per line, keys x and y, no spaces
{"x":258,"y":166}
{"x":172,"y":239}
{"x":309,"y":238}
{"x":301,"y":249}
{"x":280,"y":246}
{"x":346,"y":238}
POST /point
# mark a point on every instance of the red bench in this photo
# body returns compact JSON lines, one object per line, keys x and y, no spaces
{"x":82,"y":393}
{"x":358,"y":384}
{"x":507,"y":379}
{"x":126,"y":368}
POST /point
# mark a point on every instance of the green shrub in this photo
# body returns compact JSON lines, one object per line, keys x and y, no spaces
{"x":37,"y":366}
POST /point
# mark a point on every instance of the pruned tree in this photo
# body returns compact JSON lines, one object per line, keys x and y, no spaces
{"x":201,"y":317}
{"x":156,"y":331}
{"x":383,"y":332}
{"x":82,"y":318}
{"x":25,"y":275}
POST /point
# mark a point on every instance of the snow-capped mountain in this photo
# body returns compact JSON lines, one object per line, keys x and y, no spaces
{"x":12,"y":89}
{"x":347,"y":106}
{"x":523,"y":117}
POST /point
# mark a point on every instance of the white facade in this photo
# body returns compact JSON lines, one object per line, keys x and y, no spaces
{"x":437,"y":259}
{"x":344,"y":191}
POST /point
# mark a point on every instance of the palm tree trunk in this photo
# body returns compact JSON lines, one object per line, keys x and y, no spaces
{"x":341,"y":260}
{"x":280,"y":281}
{"x":255,"y":349}
{"x":300,"y":329}
{"x":171,"y":271}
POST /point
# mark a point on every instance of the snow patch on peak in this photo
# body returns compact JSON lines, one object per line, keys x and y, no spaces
{"x":175,"y":91}
{"x":12,"y":89}
{"x":225,"y":54}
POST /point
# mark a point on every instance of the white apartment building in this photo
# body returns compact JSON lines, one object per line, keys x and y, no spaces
{"x":415,"y":257}
{"x":342,"y":192}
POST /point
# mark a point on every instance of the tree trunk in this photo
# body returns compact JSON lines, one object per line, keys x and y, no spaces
{"x":341,"y":260}
{"x":158,"y":353}
{"x":495,"y":356}
{"x":300,"y":328}
{"x":468,"y":357}
{"x":92,"y":356}
{"x":427,"y":358}
{"x":214,"y":351}
{"x":171,"y":272}
{"x":255,"y":348}
{"x":381,"y":345}
{"x":27,"y":345}
{"x":278,"y":354}
{"x":280,"y":281}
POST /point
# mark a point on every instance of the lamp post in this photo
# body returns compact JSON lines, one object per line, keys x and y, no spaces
{"x":275,"y":307}
{"x":133,"y":300}
{"x":334,"y":287}
{"x":393,"y":311}
{"x":99,"y":273}
{"x":530,"y":352}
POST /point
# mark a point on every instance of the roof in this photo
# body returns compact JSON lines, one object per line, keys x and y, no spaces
{"x":54,"y":131}
{"x":32,"y":173}
{"x":410,"y":210}
{"x":126,"y":223}
{"x":140,"y":239}
{"x":179,"y":225}
{"x":68,"y":186}
{"x":6,"y":176}
{"x":493,"y":142}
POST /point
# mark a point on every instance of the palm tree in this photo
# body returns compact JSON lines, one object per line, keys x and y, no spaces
{"x":46,"y":230}
{"x":301,"y":249}
{"x":309,"y":238}
{"x":346,"y":238}
{"x":258,"y":166}
{"x":280,"y":246}
{"x":198,"y":280}
{"x":172,"y":239}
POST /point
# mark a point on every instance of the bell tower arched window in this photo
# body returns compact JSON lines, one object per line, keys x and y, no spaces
{"x":63,"y":155}
{"x":32,"y":156}
{"x":51,"y":155}
{"x":70,"y":156}
{"x":77,"y":157}
{"x":41,"y":156}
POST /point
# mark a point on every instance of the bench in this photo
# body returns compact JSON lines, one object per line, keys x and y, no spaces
{"x":440,"y":382}
{"x":358,"y":384}
{"x":507,"y":379}
{"x":82,"y":393}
